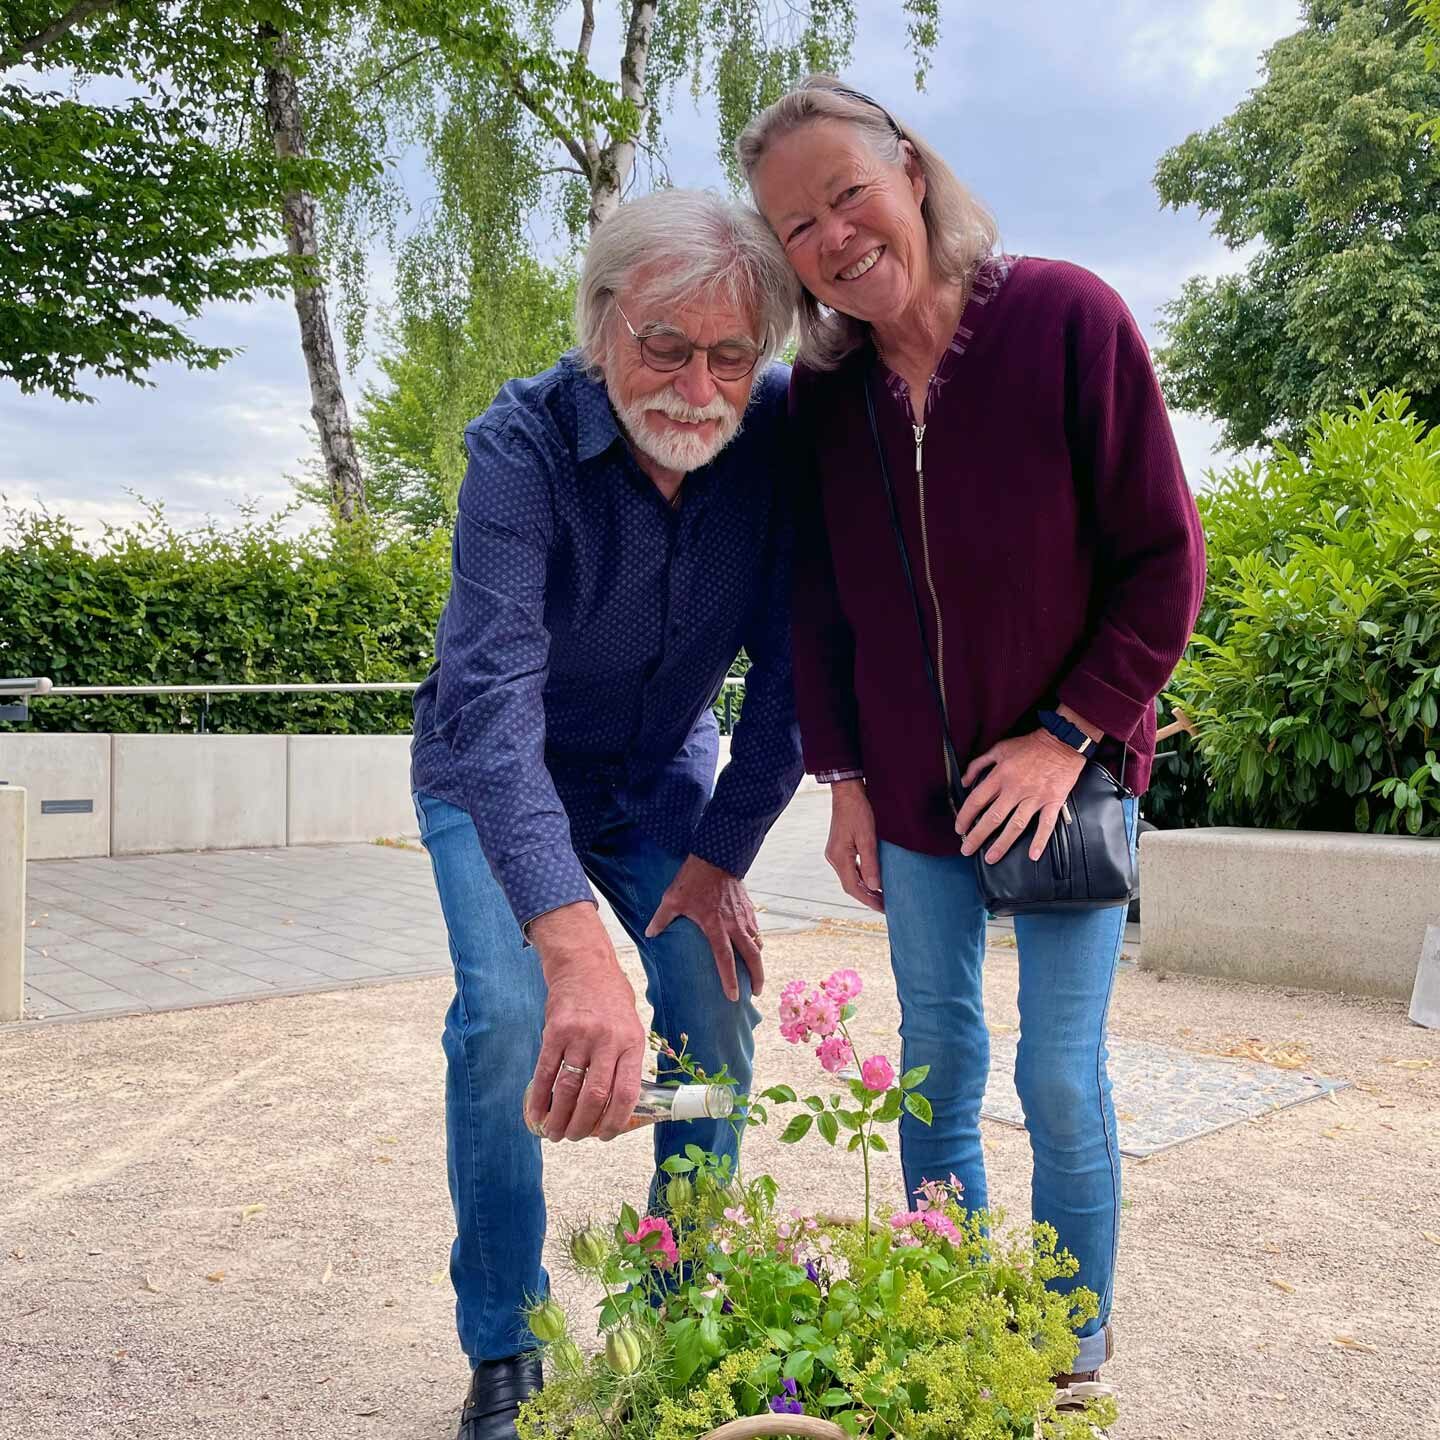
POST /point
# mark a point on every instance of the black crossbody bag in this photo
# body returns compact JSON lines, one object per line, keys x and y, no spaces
{"x":1088,"y":863}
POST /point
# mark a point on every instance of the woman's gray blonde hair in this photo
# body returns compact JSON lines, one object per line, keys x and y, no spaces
{"x":960,"y":230}
{"x":694,"y":246}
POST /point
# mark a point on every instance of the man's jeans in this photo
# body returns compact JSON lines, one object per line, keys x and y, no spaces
{"x":492,"y":1041}
{"x":1067,"y":970}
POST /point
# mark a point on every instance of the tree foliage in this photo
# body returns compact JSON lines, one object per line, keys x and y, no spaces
{"x":441,"y":373}
{"x":1325,"y":170}
{"x":118,"y":215}
{"x":1314,"y":680}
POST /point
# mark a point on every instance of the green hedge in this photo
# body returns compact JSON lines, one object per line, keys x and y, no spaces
{"x":153,"y":605}
{"x":1314,"y":680}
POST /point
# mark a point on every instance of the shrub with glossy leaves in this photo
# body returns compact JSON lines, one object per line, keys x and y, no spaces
{"x":1315,"y":678}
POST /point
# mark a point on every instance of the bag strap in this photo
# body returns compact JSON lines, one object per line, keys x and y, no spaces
{"x":952,"y":763}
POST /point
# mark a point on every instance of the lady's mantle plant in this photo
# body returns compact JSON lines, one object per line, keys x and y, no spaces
{"x":926,"y":1324}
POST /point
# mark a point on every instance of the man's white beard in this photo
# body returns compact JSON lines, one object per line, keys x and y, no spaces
{"x":672,"y":448}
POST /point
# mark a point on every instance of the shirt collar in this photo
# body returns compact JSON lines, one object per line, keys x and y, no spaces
{"x":595,"y":427}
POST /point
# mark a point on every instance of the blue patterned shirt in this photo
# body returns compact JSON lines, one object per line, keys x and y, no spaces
{"x":589,"y":628}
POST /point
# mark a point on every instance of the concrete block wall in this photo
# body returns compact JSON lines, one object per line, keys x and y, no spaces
{"x":197,"y":792}
{"x":348,"y":788}
{"x":63,"y":774}
{"x":153,"y":793}
{"x":1282,"y":907}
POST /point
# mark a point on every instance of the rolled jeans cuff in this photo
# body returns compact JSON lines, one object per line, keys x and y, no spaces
{"x":1095,"y":1350}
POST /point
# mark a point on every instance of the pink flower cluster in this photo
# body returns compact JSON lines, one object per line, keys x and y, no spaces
{"x":816,"y":1015}
{"x":929,"y":1214}
{"x":664,"y":1255}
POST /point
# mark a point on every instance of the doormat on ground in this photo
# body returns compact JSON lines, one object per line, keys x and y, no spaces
{"x":1164,"y":1097}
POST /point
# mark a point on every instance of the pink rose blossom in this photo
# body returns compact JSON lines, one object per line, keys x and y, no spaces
{"x":794,"y":1031}
{"x":835,"y":1053}
{"x":843,"y":986}
{"x":792,"y":1000}
{"x":877,"y":1073}
{"x":664,"y":1255}
{"x":822,"y":1014}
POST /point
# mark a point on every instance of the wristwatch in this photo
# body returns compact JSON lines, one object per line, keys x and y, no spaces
{"x":1062,"y":729}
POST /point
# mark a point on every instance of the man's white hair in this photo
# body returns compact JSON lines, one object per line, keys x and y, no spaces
{"x":695,"y":246}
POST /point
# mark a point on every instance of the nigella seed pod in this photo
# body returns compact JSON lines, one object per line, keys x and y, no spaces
{"x":622,"y":1351}
{"x":589,"y":1247}
{"x":679,"y":1193}
{"x":547,"y":1322}
{"x":565,"y":1354}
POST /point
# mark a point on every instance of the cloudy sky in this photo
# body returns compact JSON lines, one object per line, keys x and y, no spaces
{"x":1054,"y":112}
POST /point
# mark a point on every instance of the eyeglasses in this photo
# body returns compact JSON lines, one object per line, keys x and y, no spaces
{"x":666,"y":349}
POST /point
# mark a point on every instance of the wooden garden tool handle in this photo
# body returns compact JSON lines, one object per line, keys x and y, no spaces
{"x":801,"y":1427}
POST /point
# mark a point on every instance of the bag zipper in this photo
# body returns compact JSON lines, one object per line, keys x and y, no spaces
{"x":952,"y":779}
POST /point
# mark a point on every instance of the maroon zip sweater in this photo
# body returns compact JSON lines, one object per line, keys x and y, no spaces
{"x":1060,"y":538}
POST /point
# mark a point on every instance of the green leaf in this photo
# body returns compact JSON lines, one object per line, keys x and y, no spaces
{"x":815,"y":1103}
{"x":914,"y":1076}
{"x":780,"y":1339}
{"x":877,"y":1142}
{"x":855,"y":1142}
{"x":629,"y":1220}
{"x":919,"y":1107}
{"x":889,"y":1109}
{"x":677,"y":1165}
{"x":797,"y":1129}
{"x":799,"y":1365}
{"x":831,"y":1398}
{"x":780,"y":1094}
{"x":828,"y":1126}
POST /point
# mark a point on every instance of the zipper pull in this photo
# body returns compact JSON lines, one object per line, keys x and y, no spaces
{"x":919,"y":446}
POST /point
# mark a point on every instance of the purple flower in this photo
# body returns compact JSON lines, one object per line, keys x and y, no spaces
{"x":812,"y":1272}
{"x":786,"y":1402}
{"x":726,"y":1308}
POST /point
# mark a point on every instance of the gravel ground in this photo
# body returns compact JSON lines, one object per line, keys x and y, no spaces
{"x":234,"y":1220}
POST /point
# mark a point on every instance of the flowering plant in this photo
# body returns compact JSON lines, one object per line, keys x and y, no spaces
{"x":924,"y":1324}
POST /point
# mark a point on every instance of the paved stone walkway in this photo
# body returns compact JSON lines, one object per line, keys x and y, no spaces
{"x":160,"y":932}
{"x":155,"y":932}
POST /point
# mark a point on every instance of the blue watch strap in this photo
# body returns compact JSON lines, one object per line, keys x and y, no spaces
{"x":1064,"y":730}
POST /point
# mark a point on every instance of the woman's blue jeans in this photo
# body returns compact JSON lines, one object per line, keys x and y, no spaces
{"x":492,"y":1041}
{"x":1067,"y":971}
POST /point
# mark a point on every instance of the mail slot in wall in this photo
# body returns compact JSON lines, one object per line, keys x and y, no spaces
{"x":67,"y":807}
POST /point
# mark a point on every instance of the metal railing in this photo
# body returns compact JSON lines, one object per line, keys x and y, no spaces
{"x":38,"y":686}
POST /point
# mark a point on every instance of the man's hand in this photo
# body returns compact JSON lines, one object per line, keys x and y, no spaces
{"x":588,"y":1077}
{"x":852,"y":850}
{"x":718,"y":903}
{"x":1028,"y":776}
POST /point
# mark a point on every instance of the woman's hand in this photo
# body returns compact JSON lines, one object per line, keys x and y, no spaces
{"x":1028,"y":776}
{"x":852,"y":850}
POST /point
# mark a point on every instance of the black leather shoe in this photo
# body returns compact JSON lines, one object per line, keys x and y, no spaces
{"x":497,"y":1390}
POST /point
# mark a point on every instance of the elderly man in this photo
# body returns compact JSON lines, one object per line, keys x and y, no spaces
{"x":619,"y":539}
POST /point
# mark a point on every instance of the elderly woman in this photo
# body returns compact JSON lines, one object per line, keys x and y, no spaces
{"x":1055,"y":564}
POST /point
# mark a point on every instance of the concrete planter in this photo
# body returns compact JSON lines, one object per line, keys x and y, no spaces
{"x":1281,"y":907}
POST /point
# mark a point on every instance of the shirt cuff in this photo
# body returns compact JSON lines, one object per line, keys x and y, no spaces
{"x":834,"y":777}
{"x":728,"y":841}
{"x":538,"y":881}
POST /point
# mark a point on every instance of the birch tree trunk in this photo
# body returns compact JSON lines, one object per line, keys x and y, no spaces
{"x":616,"y":161}
{"x":327,"y":391}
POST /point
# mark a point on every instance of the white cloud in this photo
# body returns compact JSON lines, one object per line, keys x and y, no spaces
{"x":1216,"y":42}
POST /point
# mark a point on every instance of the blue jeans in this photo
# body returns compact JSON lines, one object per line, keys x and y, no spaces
{"x":1067,"y":971}
{"x":492,"y":1041}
